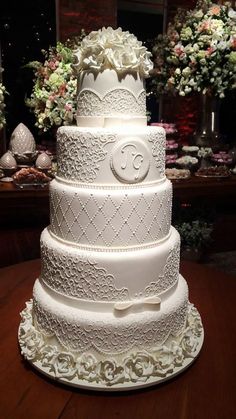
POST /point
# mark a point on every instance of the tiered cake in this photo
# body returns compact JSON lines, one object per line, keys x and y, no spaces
{"x":110,"y":309}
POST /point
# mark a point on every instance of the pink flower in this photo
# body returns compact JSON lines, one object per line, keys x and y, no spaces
{"x":210,"y":50}
{"x":179,"y":50}
{"x":68,"y":107}
{"x":233,"y":43}
{"x":173,"y":35}
{"x":205,"y":26}
{"x":52,"y":65}
{"x":215,"y":10}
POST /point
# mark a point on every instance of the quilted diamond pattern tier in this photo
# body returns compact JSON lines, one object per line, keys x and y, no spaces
{"x":110,"y":217}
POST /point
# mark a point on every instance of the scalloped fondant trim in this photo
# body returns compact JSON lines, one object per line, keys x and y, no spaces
{"x":112,"y":90}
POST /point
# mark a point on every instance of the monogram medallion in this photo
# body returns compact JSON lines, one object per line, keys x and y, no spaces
{"x":130,"y":160}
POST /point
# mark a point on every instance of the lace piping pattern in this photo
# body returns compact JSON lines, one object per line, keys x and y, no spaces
{"x":137,"y":366}
{"x":79,"y":159}
{"x":106,"y":337}
{"x":116,"y":101}
{"x":158,"y":141}
{"x":77,"y":276}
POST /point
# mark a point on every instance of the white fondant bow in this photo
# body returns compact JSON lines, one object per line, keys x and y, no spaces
{"x":151,"y":303}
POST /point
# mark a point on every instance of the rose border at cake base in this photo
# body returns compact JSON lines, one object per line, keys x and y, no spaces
{"x":138,"y":369}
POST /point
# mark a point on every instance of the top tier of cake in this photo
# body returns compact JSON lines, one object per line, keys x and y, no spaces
{"x":111,"y":66}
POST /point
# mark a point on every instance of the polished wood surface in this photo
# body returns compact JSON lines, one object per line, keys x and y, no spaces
{"x":206,"y":390}
{"x":23,"y":205}
{"x":195,"y":187}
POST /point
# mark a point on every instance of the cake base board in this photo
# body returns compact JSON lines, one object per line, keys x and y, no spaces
{"x":85,"y":385}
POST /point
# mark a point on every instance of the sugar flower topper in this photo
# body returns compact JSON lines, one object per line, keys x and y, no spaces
{"x":110,"y":48}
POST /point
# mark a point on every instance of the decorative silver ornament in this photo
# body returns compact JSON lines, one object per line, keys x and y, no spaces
{"x":43,"y":161}
{"x":22,"y":144}
{"x":9,"y":165}
{"x":7,"y":161}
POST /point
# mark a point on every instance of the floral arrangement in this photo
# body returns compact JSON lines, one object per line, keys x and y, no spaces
{"x":115,"y":49}
{"x":53,"y":98}
{"x":198,"y":52}
{"x":2,"y":105}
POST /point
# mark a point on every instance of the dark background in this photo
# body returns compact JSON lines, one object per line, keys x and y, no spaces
{"x":26,"y":27}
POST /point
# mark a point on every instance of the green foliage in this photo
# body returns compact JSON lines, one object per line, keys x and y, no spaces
{"x":194,"y":234}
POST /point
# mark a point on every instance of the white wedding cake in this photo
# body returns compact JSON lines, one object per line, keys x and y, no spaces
{"x":110,"y":309}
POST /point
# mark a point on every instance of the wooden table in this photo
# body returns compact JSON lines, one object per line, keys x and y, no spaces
{"x":193,"y":188}
{"x":23,"y":206}
{"x":206,"y":390}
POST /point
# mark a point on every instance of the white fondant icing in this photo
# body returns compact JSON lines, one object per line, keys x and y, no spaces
{"x":84,"y":154}
{"x":130,"y":160}
{"x":110,"y":307}
{"x":81,"y":330}
{"x":110,"y":217}
{"x":94,"y":275}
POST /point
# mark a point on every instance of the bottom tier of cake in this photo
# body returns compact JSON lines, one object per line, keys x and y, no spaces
{"x":107,"y":351}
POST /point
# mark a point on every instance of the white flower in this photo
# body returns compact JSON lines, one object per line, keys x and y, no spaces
{"x":115,"y":49}
{"x":186,"y":71}
{"x":205,"y":152}
{"x":232,"y":14}
{"x":222,"y":45}
{"x":198,"y":14}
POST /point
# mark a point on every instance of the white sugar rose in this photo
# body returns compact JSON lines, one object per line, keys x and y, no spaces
{"x":48,"y":354}
{"x":64,"y":365}
{"x":165,"y":358}
{"x":177,"y":352}
{"x":114,"y":49}
{"x":87,"y":367}
{"x":189,"y":343}
{"x":110,"y":373}
{"x":31,"y":341}
{"x":139,"y":366}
